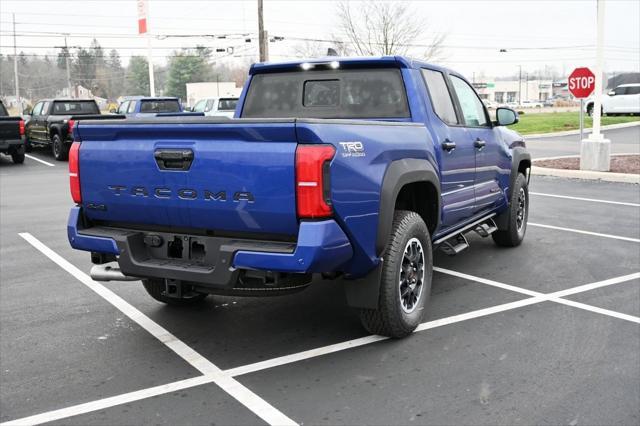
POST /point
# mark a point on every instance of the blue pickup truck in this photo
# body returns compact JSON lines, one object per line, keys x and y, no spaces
{"x":349,"y":168}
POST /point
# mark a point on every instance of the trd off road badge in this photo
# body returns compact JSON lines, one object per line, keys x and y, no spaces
{"x":352,"y":149}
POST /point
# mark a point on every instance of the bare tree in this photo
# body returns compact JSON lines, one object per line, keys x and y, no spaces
{"x":386,"y":28}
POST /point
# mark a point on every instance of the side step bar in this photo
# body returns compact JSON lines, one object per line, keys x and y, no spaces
{"x":453,"y":244}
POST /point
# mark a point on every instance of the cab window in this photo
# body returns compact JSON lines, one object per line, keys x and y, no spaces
{"x":440,"y":96}
{"x":37,"y":109}
{"x":472,"y":107}
{"x":123,"y":107}
{"x":199,"y":106}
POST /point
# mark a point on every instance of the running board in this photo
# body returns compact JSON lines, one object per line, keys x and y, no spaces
{"x":456,"y":242}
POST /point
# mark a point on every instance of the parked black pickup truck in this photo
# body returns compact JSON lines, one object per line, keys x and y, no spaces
{"x":52,"y":122}
{"x":11,"y":135}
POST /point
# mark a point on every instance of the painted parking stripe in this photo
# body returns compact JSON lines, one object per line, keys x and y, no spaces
{"x":592,"y":200}
{"x":253,"y":402}
{"x":102,"y":404}
{"x":597,"y":310}
{"x":579,"y":231}
{"x":46,"y":163}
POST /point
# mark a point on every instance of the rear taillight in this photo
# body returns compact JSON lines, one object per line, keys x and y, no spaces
{"x":74,"y":172}
{"x":21,"y":125}
{"x":70,"y":125}
{"x":312,"y":180}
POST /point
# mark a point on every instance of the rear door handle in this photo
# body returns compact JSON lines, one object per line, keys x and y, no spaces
{"x":448,"y":145}
{"x":479,"y":143}
{"x":173,"y":159}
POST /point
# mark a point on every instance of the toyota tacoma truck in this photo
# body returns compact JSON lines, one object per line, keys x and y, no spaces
{"x":11,"y":135}
{"x":353,"y":169}
{"x":52,"y":120}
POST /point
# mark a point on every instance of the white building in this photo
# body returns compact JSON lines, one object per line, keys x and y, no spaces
{"x":215,"y":89}
{"x":507,"y":91}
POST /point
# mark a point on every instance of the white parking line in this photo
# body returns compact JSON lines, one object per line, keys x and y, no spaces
{"x":592,"y":200}
{"x":227,"y":375}
{"x":46,"y":163}
{"x":102,"y":404}
{"x":579,"y":231}
{"x":253,"y":402}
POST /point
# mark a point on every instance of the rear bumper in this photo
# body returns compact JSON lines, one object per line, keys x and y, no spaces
{"x":322,"y":247}
{"x":6,"y":144}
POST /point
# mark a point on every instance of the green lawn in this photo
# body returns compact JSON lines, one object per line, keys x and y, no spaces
{"x":559,"y":121}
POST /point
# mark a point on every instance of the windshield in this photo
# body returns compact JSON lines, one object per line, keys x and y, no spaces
{"x":357,"y":93}
{"x":74,"y":108}
{"x":3,"y":111}
{"x":164,"y":105}
{"x":227,"y":104}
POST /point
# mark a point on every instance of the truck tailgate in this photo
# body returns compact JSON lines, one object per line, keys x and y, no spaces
{"x":236,"y":176}
{"x":9,"y":128}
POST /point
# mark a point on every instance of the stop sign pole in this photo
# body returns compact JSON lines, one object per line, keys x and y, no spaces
{"x":595,"y":151}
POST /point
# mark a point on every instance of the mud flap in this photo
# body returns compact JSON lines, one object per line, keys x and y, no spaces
{"x":364,"y":292}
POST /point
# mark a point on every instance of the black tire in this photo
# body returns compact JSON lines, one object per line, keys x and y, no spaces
{"x":398,"y":314}
{"x":517,"y":216}
{"x":18,"y":155}
{"x":156,"y":289}
{"x":59,"y":148}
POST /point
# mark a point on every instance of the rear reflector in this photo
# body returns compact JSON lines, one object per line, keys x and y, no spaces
{"x":74,"y":172}
{"x":312,"y":180}
{"x":21,"y":126}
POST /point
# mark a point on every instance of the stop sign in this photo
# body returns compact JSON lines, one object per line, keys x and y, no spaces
{"x":581,"y":82}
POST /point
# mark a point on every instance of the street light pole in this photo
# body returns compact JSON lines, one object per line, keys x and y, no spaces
{"x":595,"y":151}
{"x":262,"y":35}
{"x":66,"y":61}
{"x":15,"y":67}
{"x":520,"y":86}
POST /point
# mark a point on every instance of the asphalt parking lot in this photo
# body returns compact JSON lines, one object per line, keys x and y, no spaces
{"x":547,"y":333}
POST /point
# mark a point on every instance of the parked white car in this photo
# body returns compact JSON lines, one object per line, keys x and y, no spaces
{"x":531,"y":104}
{"x":216,"y":107}
{"x":624,"y":99}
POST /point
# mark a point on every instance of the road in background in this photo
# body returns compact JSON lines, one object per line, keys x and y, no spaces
{"x":625,"y":140}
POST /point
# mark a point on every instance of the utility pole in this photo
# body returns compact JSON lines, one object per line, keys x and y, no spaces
{"x":263,"y":37}
{"x":595,"y":151}
{"x":66,"y":61}
{"x":520,"y":86}
{"x":15,"y":66}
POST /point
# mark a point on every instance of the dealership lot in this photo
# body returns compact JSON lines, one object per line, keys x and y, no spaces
{"x":545,"y":333}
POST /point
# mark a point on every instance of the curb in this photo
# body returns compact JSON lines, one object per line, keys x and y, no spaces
{"x":586,"y":175}
{"x":560,"y":157}
{"x":577,"y":132}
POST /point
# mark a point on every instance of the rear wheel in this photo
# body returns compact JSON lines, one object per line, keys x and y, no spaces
{"x":157,"y":289}
{"x":18,"y":155}
{"x":406,"y":279}
{"x":59,"y":148}
{"x":517,"y":216}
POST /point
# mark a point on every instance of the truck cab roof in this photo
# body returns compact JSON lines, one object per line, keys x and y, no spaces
{"x":329,"y":62}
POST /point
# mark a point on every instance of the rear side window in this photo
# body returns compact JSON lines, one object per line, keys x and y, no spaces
{"x":165,"y":105}
{"x":440,"y":96}
{"x":358,"y":93}
{"x":123,"y":107}
{"x":74,"y":107}
{"x":632,"y":90}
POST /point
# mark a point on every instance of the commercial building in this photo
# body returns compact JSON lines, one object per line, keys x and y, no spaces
{"x":215,"y":89}
{"x":504,"y":91}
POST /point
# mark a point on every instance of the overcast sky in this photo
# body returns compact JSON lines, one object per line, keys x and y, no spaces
{"x":535,"y":33}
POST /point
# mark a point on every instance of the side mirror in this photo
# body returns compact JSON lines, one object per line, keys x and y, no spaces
{"x":188,"y":109}
{"x":26,"y":111}
{"x":506,"y":116}
{"x":612,"y":93}
{"x":113,"y":110}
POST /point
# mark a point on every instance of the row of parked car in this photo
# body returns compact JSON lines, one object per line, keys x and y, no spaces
{"x":50,"y":122}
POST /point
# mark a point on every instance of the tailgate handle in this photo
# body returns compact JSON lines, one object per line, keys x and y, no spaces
{"x":174,"y":159}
